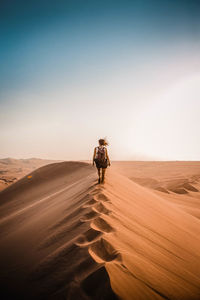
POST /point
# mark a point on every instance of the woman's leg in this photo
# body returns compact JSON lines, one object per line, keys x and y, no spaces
{"x":99,"y":174}
{"x":103,"y":174}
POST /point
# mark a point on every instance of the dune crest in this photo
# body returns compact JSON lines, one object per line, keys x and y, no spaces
{"x":12,"y":169}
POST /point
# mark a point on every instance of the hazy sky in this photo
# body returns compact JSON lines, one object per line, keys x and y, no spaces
{"x":74,"y":71}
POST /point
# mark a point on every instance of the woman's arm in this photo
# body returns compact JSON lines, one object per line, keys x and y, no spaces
{"x":94,"y":156}
{"x":107,"y":157}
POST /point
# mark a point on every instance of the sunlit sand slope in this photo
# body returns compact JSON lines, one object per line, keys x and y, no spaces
{"x":154,"y":244}
{"x":176,"y":181}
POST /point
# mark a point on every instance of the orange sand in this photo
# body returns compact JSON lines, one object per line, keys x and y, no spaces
{"x":12,"y":169}
{"x":65,"y":237}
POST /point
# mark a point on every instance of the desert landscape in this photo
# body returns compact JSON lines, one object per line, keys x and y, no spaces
{"x":100,"y":155}
{"x":137,"y":236}
{"x":12,"y":169}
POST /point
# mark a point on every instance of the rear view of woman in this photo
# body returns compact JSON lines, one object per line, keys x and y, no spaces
{"x":101,"y":159}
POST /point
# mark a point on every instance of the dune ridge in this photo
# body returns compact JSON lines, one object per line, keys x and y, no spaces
{"x":12,"y":169}
{"x":65,"y":237}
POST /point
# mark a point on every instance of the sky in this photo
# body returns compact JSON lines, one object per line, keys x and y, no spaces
{"x":72,"y":72}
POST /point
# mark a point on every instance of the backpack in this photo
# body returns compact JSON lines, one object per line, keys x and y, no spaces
{"x":101,"y":154}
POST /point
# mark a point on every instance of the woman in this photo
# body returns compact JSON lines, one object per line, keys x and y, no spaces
{"x":101,"y":159}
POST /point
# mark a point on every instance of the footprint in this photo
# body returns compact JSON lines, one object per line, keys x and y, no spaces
{"x":89,"y":216}
{"x":190,"y":187}
{"x":90,"y":203}
{"x":161,"y":189}
{"x":96,"y":191}
{"x":102,"y":225}
{"x":102,"y":197}
{"x":99,"y":207}
{"x":103,"y":251}
{"x":89,"y":236}
{"x":179,"y":191}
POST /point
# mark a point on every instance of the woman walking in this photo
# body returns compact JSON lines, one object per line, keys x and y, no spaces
{"x":101,"y":159}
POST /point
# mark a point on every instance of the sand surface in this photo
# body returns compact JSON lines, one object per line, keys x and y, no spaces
{"x":175,"y":181}
{"x":62,"y":236}
{"x":12,"y":169}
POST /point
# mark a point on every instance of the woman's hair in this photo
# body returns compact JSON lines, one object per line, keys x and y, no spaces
{"x":103,"y":142}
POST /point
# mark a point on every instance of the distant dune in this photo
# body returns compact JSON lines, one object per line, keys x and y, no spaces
{"x":12,"y":169}
{"x":176,"y":181}
{"x":62,"y":236}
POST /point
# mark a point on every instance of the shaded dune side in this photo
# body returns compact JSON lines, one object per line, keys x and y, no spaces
{"x":153,"y":250}
{"x":45,"y":236}
{"x":49,"y":178}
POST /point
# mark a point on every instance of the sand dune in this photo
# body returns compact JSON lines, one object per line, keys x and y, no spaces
{"x":175,"y":181}
{"x":65,"y":237}
{"x":44,"y":226}
{"x":157,"y":242}
{"x":12,"y":169}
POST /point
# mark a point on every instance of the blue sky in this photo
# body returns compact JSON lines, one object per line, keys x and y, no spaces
{"x":74,"y":71}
